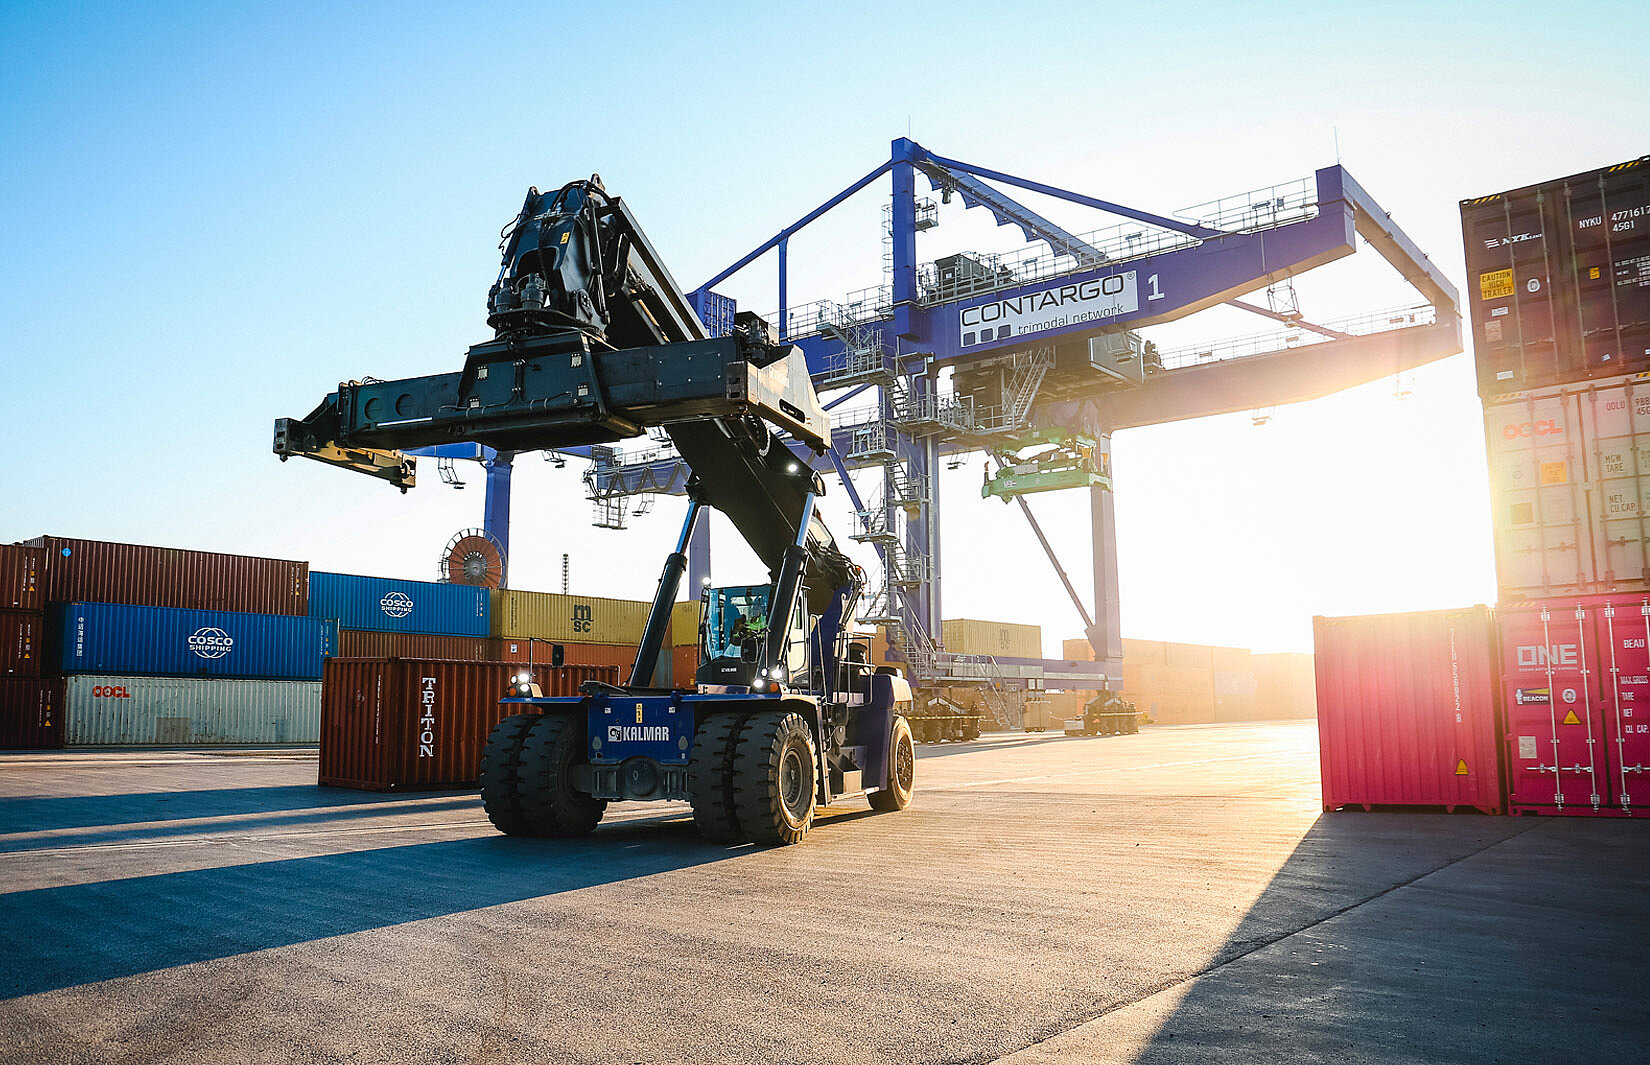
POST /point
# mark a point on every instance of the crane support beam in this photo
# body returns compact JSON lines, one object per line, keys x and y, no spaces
{"x":976,"y":193}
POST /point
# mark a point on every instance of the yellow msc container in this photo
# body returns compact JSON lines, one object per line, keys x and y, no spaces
{"x":1004,"y":639}
{"x":568,"y":618}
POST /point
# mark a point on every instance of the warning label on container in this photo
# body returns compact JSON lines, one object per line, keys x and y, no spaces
{"x":1526,"y":747}
{"x":1461,"y":768}
{"x":1571,"y":718}
{"x":1555,"y":472}
{"x":1495,"y":284}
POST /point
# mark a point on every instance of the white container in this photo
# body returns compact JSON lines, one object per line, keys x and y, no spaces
{"x":126,"y":711}
{"x":1570,"y":484}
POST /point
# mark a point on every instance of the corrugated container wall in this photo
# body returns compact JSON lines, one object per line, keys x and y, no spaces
{"x":409,"y":724}
{"x":1576,"y":686}
{"x":21,"y":636}
{"x":1558,"y":279}
{"x":1570,"y":488}
{"x":620,"y":656}
{"x":568,"y":618}
{"x":137,"y":711}
{"x":31,"y":712}
{"x":383,"y":604}
{"x":22,"y":577}
{"x":113,"y":638}
{"x":684,"y":624}
{"x":1408,"y":711}
{"x":95,"y":571}
{"x":358,"y":643}
{"x":1004,"y":639}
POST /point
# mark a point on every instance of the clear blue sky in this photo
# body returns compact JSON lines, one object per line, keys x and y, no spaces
{"x":210,"y":214}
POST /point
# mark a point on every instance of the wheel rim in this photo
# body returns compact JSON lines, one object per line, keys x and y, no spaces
{"x":905,"y":767}
{"x":791,"y":790}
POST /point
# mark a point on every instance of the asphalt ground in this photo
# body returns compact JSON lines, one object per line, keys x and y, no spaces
{"x":1175,"y":896}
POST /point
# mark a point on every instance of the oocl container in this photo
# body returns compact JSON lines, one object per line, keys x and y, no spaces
{"x":359,"y":643}
{"x":22,"y":577}
{"x":95,"y":571}
{"x":1558,"y":279}
{"x":31,"y":712}
{"x":1576,"y":679}
{"x":1570,"y":487}
{"x":114,"y":638}
{"x":568,"y":618}
{"x":1407,"y":710}
{"x":384,"y":604}
{"x":20,"y":643}
{"x":407,"y":724}
{"x":187,"y":711}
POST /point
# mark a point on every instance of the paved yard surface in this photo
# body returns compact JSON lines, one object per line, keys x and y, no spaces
{"x":1175,"y":896}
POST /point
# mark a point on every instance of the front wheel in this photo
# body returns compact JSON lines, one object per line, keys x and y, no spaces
{"x":902,"y":771}
{"x":553,"y":806}
{"x":776,"y":778}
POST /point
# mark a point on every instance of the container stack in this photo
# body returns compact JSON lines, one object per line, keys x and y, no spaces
{"x":1558,"y":279}
{"x":30,"y":704}
{"x":148,"y":645}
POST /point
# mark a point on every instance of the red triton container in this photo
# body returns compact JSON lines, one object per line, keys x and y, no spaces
{"x":365,"y":643}
{"x":405,"y":723}
{"x":1407,"y":710}
{"x":1576,"y":683}
{"x":31,"y":712}
{"x":22,"y":578}
{"x":20,"y":636}
{"x":94,"y":571}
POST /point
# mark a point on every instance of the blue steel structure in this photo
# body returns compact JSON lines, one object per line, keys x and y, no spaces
{"x":1036,"y":359}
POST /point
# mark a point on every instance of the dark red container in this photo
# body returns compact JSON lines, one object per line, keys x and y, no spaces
{"x":404,"y":723}
{"x":620,"y":656}
{"x":22,"y":578}
{"x":1408,"y":711}
{"x":361,"y":643}
{"x":20,"y":636}
{"x":96,"y":571}
{"x":1576,"y":680}
{"x":31,"y":712}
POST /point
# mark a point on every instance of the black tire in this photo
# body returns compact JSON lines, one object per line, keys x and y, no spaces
{"x":552,"y":805}
{"x":501,"y":775}
{"x":710,"y":778}
{"x":775,"y":778}
{"x":902,"y":771}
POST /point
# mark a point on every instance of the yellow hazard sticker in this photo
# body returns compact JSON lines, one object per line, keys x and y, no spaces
{"x":1461,"y":768}
{"x":1555,"y":472}
{"x":1592,"y":273}
{"x":1571,"y":718}
{"x":564,"y":237}
{"x":1495,"y":284}
{"x":638,"y":713}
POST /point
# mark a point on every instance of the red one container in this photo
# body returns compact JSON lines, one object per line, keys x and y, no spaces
{"x":22,"y":578}
{"x":405,"y":723}
{"x":1407,"y":710}
{"x":1576,"y":683}
{"x":363,"y":643}
{"x":20,"y":636}
{"x":31,"y":712}
{"x":95,"y":571}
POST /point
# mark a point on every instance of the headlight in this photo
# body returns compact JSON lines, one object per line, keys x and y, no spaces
{"x":524,"y":678}
{"x":760,"y":685}
{"x":761,"y":672}
{"x":778,"y":673}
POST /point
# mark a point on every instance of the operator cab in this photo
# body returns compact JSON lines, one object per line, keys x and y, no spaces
{"x":734,"y":630}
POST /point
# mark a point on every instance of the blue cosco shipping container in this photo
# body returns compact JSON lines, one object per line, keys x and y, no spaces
{"x":382,"y":604}
{"x":165,"y":641}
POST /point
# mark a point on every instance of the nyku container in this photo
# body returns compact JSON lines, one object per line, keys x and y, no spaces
{"x":22,"y":577}
{"x":21,"y":636}
{"x":1558,"y":279}
{"x":96,"y":571}
{"x":175,"y":711}
{"x":31,"y":712}
{"x":115,"y":638}
{"x":399,"y":723}
{"x":384,"y":604}
{"x":1407,"y":710}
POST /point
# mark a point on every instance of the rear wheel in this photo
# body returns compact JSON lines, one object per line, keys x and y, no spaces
{"x":776,"y":778}
{"x":902,"y":771}
{"x":501,"y":775}
{"x":552,"y":805}
{"x":710,"y":778}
